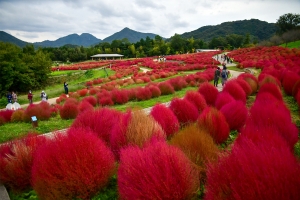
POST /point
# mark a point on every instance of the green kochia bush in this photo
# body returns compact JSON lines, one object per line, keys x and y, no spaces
{"x":72,"y":166}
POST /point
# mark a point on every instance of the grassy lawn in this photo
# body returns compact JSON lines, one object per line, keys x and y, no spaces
{"x":295,"y":44}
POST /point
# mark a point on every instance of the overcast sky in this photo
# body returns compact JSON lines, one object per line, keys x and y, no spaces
{"x":39,"y":20}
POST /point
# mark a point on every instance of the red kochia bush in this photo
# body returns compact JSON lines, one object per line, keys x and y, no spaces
{"x":209,"y":92}
{"x":223,"y":98}
{"x":84,"y":105}
{"x":166,"y":88}
{"x":69,"y":111}
{"x":72,"y":166}
{"x":38,"y":111}
{"x":197,"y":99}
{"x":245,"y":85}
{"x":91,"y":100}
{"x":236,"y":114}
{"x":155,"y":91}
{"x":158,"y":171}
{"x":290,"y":79}
{"x":100,"y":121}
{"x":214,"y":122}
{"x":235,"y":90}
{"x":16,"y":162}
{"x":119,"y":96}
{"x":271,"y":88}
{"x":254,"y":171}
{"x":17,"y":116}
{"x":184,"y":110}
{"x":6,"y":114}
{"x":143,"y":93}
{"x":166,"y":118}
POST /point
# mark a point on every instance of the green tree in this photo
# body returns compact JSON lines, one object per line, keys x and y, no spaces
{"x":288,"y":22}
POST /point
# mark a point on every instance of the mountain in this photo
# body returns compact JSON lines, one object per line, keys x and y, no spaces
{"x":85,"y":39}
{"x":5,"y":37}
{"x":131,"y":35}
{"x":260,"y":29}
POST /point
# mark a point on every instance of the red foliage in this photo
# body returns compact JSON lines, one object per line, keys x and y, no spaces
{"x":166,"y":118}
{"x":214,"y":122}
{"x":155,"y":91}
{"x":289,"y":80}
{"x":6,"y":114}
{"x":271,"y":88}
{"x":223,"y":98}
{"x":119,"y":96}
{"x":184,"y":110}
{"x":166,"y":88}
{"x":251,"y":80}
{"x":254,"y":171}
{"x":236,"y":114}
{"x":197,"y":99}
{"x":82,"y":92}
{"x":106,"y":101}
{"x":91,"y":100}
{"x":158,"y":171}
{"x":72,"y":166}
{"x":178,"y":83}
{"x":245,"y":85}
{"x":93,"y":91}
{"x":209,"y":92}
{"x":273,"y":115}
{"x":143,"y":93}
{"x":100,"y":121}
{"x":266,"y":78}
{"x":235,"y":90}
{"x":16,"y":161}
{"x":69,"y":111}
{"x":38,"y":111}
{"x":84,"y":106}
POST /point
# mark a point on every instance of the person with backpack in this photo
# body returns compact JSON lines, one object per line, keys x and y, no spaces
{"x":44,"y":96}
{"x":224,"y":74}
{"x":217,"y":76}
{"x":30,"y":96}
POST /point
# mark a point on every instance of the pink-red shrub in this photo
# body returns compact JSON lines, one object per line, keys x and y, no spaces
{"x":251,"y":80}
{"x":166,"y":88}
{"x":223,"y":98}
{"x":214,"y":122}
{"x":236,"y":114}
{"x":271,"y":88}
{"x":235,"y":90}
{"x":82,"y":92}
{"x":273,"y":115}
{"x":245,"y":85}
{"x":209,"y":92}
{"x":91,"y":100}
{"x":119,"y":96}
{"x":100,"y":121}
{"x":166,"y":118}
{"x":184,"y":110}
{"x":106,"y":101}
{"x":6,"y":114}
{"x":158,"y":171}
{"x":197,"y":99}
{"x":143,"y":93}
{"x":155,"y":91}
{"x":38,"y":111}
{"x":16,"y":162}
{"x":69,"y":111}
{"x":84,"y":106}
{"x":254,"y":171}
{"x":266,"y":78}
{"x":178,"y":83}
{"x":72,"y":166}
{"x":289,"y":80}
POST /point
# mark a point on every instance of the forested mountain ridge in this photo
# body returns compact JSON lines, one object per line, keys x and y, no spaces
{"x":85,"y":39}
{"x":131,"y":35}
{"x":5,"y":37}
{"x":261,"y":30}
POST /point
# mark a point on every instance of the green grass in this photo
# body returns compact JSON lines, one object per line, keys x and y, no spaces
{"x":295,"y":44}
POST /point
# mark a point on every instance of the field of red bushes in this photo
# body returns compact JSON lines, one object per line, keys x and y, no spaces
{"x":180,"y":151}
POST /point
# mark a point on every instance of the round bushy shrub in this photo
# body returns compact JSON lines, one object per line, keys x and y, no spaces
{"x":143,"y":93}
{"x":72,"y":166}
{"x":166,"y":88}
{"x":290,"y":79}
{"x":184,"y":110}
{"x":254,"y":171}
{"x":235,"y":90}
{"x":223,"y":98}
{"x":158,"y":171}
{"x":155,"y":91}
{"x":17,"y":116}
{"x":197,"y":145}
{"x":214,"y":122}
{"x":271,"y":88}
{"x":91,"y":100}
{"x":209,"y":92}
{"x":245,"y":85}
{"x":69,"y":111}
{"x":236,"y":114}
{"x":197,"y":99}
{"x":166,"y":118}
{"x":119,"y":96}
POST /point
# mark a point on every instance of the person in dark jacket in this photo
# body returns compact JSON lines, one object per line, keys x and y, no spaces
{"x":217,"y":76}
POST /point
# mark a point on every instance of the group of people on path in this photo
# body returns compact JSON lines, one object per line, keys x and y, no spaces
{"x":12,"y":97}
{"x":223,"y":74}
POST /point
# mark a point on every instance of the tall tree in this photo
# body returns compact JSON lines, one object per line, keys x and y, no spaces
{"x":288,"y":22}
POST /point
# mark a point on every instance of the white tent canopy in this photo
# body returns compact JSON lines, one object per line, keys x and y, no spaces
{"x":99,"y":56}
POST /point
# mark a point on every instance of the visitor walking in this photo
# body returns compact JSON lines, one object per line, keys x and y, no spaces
{"x":217,"y":76}
{"x":224,"y":74}
{"x":66,"y":88}
{"x":30,"y":96}
{"x":14,"y":97}
{"x":44,"y":96}
{"x":9,"y":97}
